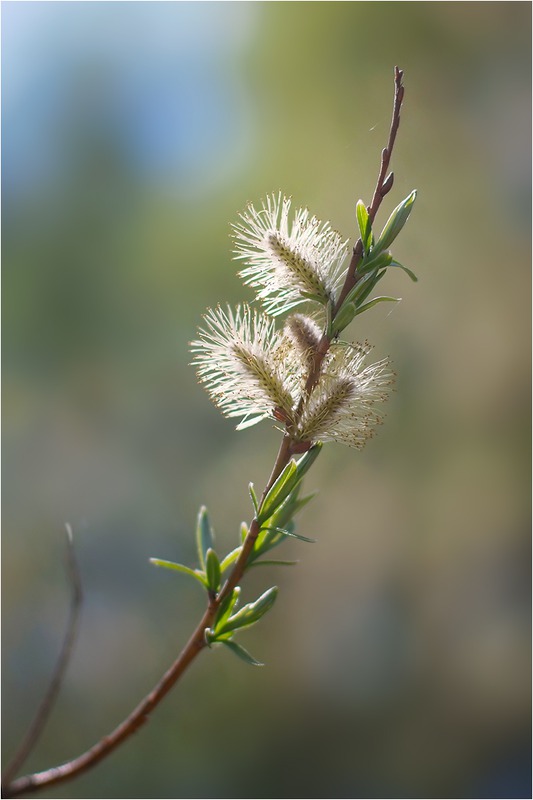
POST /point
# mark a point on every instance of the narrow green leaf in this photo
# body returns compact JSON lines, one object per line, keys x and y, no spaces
{"x":243,"y":654}
{"x":204,"y":535}
{"x":376,"y":300}
{"x":244,"y":531}
{"x":228,"y":560}
{"x":303,"y":501}
{"x":281,"y":520}
{"x":307,"y":460}
{"x":365,"y":227}
{"x":279,"y":490}
{"x":212,"y":569}
{"x":266,"y":540}
{"x":250,"y":613}
{"x":286,"y":510}
{"x":375,"y":261}
{"x":405,"y":269}
{"x":273,"y":563}
{"x":226,"y":607}
{"x":290,"y":508}
{"x":395,"y":222}
{"x":254,"y":498}
{"x":345,"y":315}
{"x":194,"y":573}
{"x":286,"y":532}
{"x":375,"y":277}
{"x":361,"y":284}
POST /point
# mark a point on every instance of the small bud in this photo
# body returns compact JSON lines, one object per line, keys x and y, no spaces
{"x":365,"y":227}
{"x":305,"y":335}
{"x":387,"y":184}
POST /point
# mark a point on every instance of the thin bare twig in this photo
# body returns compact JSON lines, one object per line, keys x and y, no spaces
{"x":32,"y":783}
{"x":383,"y":185}
{"x":47,"y":704}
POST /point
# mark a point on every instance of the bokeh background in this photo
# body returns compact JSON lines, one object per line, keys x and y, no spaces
{"x":398,"y":654}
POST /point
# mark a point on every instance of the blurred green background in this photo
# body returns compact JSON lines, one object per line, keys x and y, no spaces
{"x":398,"y":653}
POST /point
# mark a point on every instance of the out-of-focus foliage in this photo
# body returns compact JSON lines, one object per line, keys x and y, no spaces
{"x":398,"y":650}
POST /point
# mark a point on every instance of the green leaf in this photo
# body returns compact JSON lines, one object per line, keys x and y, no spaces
{"x":343,"y":318}
{"x":395,"y":223}
{"x":286,"y":532}
{"x":280,"y":520}
{"x":194,"y":573}
{"x":226,"y":607}
{"x":204,"y":535}
{"x":244,"y":531}
{"x":308,"y":459}
{"x":365,"y":227}
{"x":254,"y":498}
{"x":375,"y":277}
{"x":361,"y":284}
{"x":273,"y":563}
{"x":250,"y":613}
{"x":282,"y":486}
{"x":290,"y":508}
{"x":228,"y":560}
{"x":376,"y":261}
{"x":405,"y":269}
{"x":243,"y":654}
{"x":212,"y":569}
{"x":376,"y":300}
{"x":303,"y":501}
{"x":266,"y":540}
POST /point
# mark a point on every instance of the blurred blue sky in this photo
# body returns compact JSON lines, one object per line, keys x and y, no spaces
{"x":161,"y":83}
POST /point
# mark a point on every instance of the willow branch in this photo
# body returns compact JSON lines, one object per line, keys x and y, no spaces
{"x":383,"y":185}
{"x":32,"y":783}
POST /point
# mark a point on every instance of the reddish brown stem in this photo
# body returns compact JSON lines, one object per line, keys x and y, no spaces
{"x":288,"y":447}
{"x":383,"y":186}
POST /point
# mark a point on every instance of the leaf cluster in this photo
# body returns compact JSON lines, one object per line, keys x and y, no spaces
{"x":274,"y":517}
{"x":374,"y":263}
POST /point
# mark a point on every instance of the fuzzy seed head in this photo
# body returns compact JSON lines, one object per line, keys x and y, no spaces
{"x":304,"y":334}
{"x":253,"y":371}
{"x":341,"y":407}
{"x":241,"y":360}
{"x":288,"y":261}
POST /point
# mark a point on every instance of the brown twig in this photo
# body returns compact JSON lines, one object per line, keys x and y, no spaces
{"x":43,"y":712}
{"x":383,"y":186}
{"x":197,"y":642}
